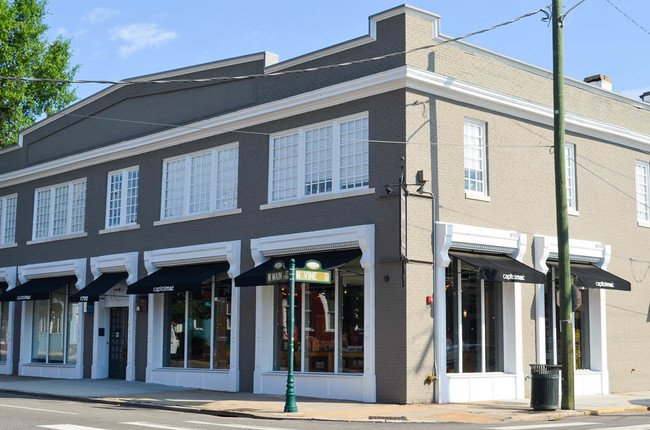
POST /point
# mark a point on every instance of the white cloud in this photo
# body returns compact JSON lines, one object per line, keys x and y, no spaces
{"x":135,"y":37}
{"x":99,"y":14}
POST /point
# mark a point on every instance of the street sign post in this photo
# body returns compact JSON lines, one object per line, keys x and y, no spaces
{"x":312,"y":273}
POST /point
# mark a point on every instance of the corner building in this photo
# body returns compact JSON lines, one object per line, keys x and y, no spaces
{"x":138,"y":250}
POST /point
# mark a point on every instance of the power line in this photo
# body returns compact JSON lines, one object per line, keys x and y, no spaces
{"x":627,"y":16}
{"x":280,"y":73}
{"x":269,"y":134}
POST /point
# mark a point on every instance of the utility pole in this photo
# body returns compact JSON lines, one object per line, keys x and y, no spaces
{"x":564,"y":287}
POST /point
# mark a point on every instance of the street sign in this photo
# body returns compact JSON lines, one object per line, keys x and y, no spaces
{"x":311,"y":273}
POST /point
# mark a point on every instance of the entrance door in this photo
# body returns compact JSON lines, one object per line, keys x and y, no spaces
{"x":117,"y":345}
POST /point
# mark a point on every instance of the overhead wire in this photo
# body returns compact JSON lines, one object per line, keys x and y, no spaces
{"x":547,"y":17}
{"x":269,"y":134}
{"x":628,"y":17}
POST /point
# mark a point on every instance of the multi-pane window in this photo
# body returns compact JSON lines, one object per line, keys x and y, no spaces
{"x":571,"y":189}
{"x":642,"y":171}
{"x":326,"y":158}
{"x":475,"y":157}
{"x":328,"y":328}
{"x":55,"y":329}
{"x":200,"y":183}
{"x":8,"y":219}
{"x":59,"y":210}
{"x":122,"y":198}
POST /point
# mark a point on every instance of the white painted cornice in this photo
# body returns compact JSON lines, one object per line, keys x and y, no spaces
{"x":398,"y":78}
{"x":50,"y":269}
{"x":546,"y":247}
{"x":196,"y":254}
{"x":358,"y":236}
{"x":470,"y":237}
{"x":313,"y":100}
{"x":8,"y":275}
{"x":127,"y":262}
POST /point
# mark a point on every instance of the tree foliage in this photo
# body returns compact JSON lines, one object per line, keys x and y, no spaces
{"x":25,"y":52}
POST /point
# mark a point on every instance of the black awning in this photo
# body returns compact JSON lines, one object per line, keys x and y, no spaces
{"x":98,"y":287}
{"x":329,"y":260}
{"x":177,"y":278}
{"x":590,"y":276}
{"x":36,"y":289}
{"x":500,"y":268}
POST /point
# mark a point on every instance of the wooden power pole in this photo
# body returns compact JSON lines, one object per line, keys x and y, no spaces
{"x":566,"y":324}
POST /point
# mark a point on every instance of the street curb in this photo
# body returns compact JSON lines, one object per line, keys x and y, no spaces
{"x":605,"y":411}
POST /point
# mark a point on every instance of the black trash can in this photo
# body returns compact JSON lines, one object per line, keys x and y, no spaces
{"x":545,"y":386}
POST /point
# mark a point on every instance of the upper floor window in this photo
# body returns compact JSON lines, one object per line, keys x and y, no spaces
{"x":475,"y":157}
{"x":122,"y":198}
{"x":571,"y":189}
{"x":200,"y":183}
{"x":325,"y":158}
{"x":642,"y":191}
{"x":59,"y":210}
{"x":8,"y":219}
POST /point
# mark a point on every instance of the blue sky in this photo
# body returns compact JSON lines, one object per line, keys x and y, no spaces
{"x":120,"y":39}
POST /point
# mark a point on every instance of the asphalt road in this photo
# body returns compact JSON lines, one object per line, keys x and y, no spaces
{"x":21,"y":412}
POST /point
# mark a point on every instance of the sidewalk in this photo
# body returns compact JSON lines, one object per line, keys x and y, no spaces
{"x":271,"y":406}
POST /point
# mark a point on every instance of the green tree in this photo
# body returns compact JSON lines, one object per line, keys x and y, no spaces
{"x":26,"y":53}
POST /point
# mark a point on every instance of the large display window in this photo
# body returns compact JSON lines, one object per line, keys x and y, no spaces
{"x":55,"y":330}
{"x":475,"y":339}
{"x":580,"y":320}
{"x":199,"y":326}
{"x":328,"y":321}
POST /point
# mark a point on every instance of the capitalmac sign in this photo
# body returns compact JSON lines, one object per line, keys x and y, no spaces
{"x":163,"y":289}
{"x":514,"y":277}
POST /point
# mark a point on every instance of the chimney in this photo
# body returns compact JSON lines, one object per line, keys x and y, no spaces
{"x":646,"y":97}
{"x":600,"y":81}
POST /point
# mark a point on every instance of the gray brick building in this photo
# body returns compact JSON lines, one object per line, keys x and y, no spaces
{"x":136,"y":225}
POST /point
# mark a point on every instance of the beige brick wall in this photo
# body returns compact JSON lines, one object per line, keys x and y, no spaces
{"x":521,"y":187}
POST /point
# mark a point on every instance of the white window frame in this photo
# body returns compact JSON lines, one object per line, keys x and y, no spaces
{"x":482,"y":148}
{"x":335,"y":160}
{"x":124,"y":173}
{"x":51,"y":209}
{"x":571,"y":178}
{"x":3,"y":220}
{"x":642,"y":179}
{"x":212,"y":211}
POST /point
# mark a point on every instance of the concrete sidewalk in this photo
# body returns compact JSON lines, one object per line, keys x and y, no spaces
{"x":271,"y":406}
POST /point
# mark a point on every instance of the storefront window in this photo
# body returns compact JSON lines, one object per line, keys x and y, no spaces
{"x":222,"y":314}
{"x":328,"y":321}
{"x":281,"y":361}
{"x":192,"y":320}
{"x":199,"y":323}
{"x":55,"y":329}
{"x":477,"y":316}
{"x":4,"y":327}
{"x":580,"y":317}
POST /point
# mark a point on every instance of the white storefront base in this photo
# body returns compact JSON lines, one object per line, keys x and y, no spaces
{"x":480,"y":387}
{"x":360,"y":387}
{"x":25,"y":365}
{"x":115,"y":297}
{"x":211,"y":379}
{"x":470,"y":387}
{"x":329,"y":386}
